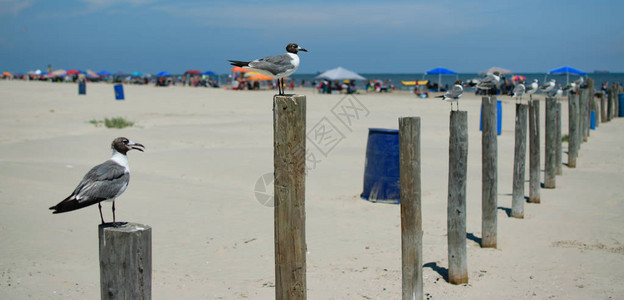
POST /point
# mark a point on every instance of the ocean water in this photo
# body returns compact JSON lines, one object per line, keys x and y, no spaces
{"x":599,"y":78}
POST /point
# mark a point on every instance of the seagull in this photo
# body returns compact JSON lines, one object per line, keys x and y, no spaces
{"x":278,"y":66}
{"x":489,"y":82}
{"x":453,"y":94}
{"x":556,"y":92}
{"x":579,"y":82}
{"x":106,"y":181}
{"x":519,"y":91}
{"x":547,"y":86}
{"x":530,"y":89}
{"x":570,"y":86}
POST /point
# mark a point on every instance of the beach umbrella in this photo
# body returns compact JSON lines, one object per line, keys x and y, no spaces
{"x":496,"y":69}
{"x":163,"y":74}
{"x":92,"y":74}
{"x":440,"y":72}
{"x":105,"y":73}
{"x":121,"y":74}
{"x":239,"y":69}
{"x":7,"y":74}
{"x":209,"y":73}
{"x":340,"y":73}
{"x":257,"y":77}
{"x":192,"y":72}
{"x":57,"y":73}
{"x":136,"y":74}
{"x":567,"y":71}
{"x":72,"y":72}
{"x":518,"y":78}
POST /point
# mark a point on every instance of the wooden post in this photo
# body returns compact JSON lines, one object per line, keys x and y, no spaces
{"x":573,"y":130}
{"x":603,"y":107}
{"x":582,"y":115}
{"x":558,"y":143}
{"x":517,"y":199}
{"x":589,"y":101}
{"x":289,"y":142}
{"x":125,"y":261}
{"x":550,"y":139}
{"x":489,"y":173}
{"x":456,"y":210}
{"x":411,"y":218}
{"x":616,"y":102}
{"x":534,"y":152}
{"x":596,"y":108}
{"x":613,"y":94}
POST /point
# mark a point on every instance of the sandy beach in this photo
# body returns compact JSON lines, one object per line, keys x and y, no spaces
{"x":194,"y":185}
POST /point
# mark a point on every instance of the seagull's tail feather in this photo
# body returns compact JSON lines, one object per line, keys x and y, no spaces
{"x":239,"y":63}
{"x":70,"y":203}
{"x":441,"y":96}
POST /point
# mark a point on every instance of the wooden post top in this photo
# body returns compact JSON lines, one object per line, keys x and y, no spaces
{"x":128,"y":227}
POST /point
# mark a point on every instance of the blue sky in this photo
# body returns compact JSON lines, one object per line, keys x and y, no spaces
{"x":364,"y":36}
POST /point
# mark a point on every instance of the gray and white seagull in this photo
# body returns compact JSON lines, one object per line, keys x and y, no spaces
{"x":453,"y":94}
{"x":547,"y":86}
{"x":278,"y":66}
{"x":106,"y":181}
{"x":489,"y":82}
{"x":519,"y":91}
{"x":531,"y":88}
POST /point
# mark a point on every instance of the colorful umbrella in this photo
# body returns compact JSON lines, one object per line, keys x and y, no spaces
{"x":192,"y":72}
{"x":518,"y":78}
{"x":239,"y":69}
{"x":72,"y":72}
{"x":257,"y":77}
{"x":163,"y":74}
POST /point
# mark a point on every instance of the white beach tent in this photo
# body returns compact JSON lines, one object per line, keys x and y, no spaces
{"x":340,"y":73}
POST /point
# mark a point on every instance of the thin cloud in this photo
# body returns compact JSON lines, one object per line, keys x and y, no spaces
{"x":14,"y":7}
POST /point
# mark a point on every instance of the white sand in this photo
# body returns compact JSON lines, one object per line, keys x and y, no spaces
{"x":205,"y":149}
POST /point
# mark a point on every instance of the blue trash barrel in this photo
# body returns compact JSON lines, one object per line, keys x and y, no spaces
{"x":499,"y":117}
{"x":381,"y":169}
{"x":119,"y":93}
{"x":82,"y":88}
{"x":592,"y":120}
{"x":621,"y":104}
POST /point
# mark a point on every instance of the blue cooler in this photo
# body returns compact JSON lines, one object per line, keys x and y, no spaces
{"x":381,"y":170}
{"x":499,"y":118}
{"x":82,"y":88}
{"x":119,"y":93}
{"x":621,"y":105}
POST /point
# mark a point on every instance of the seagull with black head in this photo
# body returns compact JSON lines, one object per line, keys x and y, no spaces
{"x":104,"y":182}
{"x":277,"y":66}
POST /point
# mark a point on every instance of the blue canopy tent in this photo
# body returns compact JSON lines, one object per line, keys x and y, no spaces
{"x":567,"y":71}
{"x":440,"y":72}
{"x":163,"y":74}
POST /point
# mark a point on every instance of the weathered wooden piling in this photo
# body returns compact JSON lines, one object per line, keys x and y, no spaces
{"x":289,"y":142}
{"x":489,"y":173}
{"x":573,"y":136}
{"x":558,"y":143}
{"x":612,"y":99}
{"x":125,"y":261}
{"x":603,"y":107}
{"x":517,"y":199}
{"x":583,"y":111}
{"x":550,"y":140}
{"x":456,"y":211}
{"x":589,"y":101}
{"x":534,"y":152}
{"x":411,"y":217}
